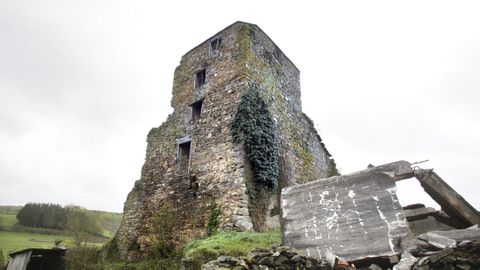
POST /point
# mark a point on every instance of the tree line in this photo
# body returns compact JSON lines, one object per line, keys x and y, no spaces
{"x":54,"y":216}
{"x":43,"y":215}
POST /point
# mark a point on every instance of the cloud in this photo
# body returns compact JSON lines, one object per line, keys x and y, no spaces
{"x":83,"y":82}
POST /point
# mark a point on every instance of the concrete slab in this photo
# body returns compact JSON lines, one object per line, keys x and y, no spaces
{"x":355,"y":216}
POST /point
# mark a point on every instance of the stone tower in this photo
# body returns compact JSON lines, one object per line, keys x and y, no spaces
{"x":195,"y":170}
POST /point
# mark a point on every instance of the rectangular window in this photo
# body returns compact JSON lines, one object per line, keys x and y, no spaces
{"x":183,"y":157}
{"x":215,"y":44}
{"x":196,"y":109}
{"x":200,"y":78}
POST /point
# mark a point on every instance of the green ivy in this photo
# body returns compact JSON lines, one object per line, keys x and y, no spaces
{"x":212,"y":223}
{"x":255,"y":128}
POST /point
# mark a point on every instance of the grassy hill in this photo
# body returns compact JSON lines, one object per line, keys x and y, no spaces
{"x":14,"y":237}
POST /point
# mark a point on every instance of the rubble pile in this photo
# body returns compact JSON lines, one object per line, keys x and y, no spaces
{"x":465,"y":256}
{"x":261,"y":259}
{"x":453,"y":249}
{"x":426,"y":256}
{"x":332,"y":219}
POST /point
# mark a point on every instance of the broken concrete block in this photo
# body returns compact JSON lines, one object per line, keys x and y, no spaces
{"x":355,"y":216}
{"x":472,"y":233}
{"x":438,"y":240}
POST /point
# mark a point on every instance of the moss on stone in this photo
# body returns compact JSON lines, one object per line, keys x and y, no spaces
{"x":229,"y":244}
{"x":212,"y":222}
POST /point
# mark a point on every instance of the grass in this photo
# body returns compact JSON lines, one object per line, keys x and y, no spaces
{"x":230,"y":243}
{"x":203,"y":250}
{"x":10,"y":209}
{"x":14,"y":237}
{"x":14,"y":241}
{"x":7,"y":221}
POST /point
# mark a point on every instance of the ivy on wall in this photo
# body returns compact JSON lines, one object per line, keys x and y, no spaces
{"x":254,"y":126}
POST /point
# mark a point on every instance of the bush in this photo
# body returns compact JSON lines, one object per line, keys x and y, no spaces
{"x":83,"y":258}
{"x":81,"y":224}
{"x":110,"y":252}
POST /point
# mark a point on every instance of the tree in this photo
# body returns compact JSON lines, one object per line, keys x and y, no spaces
{"x":81,"y":224}
{"x":51,"y":216}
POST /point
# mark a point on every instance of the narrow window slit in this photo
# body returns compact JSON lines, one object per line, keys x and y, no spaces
{"x":200,"y":78}
{"x":196,"y":109}
{"x":183,"y":158}
{"x":183,"y":154}
{"x":215,"y":44}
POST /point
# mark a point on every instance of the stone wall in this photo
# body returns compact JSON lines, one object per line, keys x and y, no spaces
{"x":302,"y":156}
{"x":218,"y":169}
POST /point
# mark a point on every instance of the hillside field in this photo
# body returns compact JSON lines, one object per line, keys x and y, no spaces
{"x":14,"y":237}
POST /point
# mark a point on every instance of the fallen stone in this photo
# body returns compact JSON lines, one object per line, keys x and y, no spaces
{"x":280,"y":260}
{"x":374,"y":267}
{"x":268,"y":261}
{"x":228,"y":260}
{"x":470,"y":234}
{"x":438,"y":240}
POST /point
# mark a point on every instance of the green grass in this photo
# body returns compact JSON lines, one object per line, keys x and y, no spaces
{"x":14,"y":238}
{"x":108,"y":221}
{"x":7,"y":221}
{"x":14,"y":241}
{"x":230,"y":243}
{"x":10,"y":209}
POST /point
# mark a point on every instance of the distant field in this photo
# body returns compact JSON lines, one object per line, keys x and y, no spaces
{"x":7,"y":221}
{"x":9,"y":209}
{"x":12,"y":239}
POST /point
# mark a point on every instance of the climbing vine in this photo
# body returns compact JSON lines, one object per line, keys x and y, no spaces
{"x":254,"y":126}
{"x":212,"y":222}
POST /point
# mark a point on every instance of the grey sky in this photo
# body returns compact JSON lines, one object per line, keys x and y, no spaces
{"x":82,"y":82}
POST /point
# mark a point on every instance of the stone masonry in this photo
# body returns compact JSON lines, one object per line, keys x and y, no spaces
{"x":191,"y":160}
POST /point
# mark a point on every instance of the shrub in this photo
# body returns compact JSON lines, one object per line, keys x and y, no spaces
{"x":83,"y":258}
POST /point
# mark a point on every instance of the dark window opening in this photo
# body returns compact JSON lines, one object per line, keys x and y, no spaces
{"x":215,"y":44}
{"x":200,"y":78}
{"x":183,"y":159}
{"x":197,"y":109}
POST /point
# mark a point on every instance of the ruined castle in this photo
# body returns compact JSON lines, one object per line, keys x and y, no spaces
{"x":236,"y":136}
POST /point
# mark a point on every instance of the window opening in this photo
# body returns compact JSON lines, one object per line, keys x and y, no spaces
{"x":197,"y":109}
{"x":215,"y":44}
{"x":183,"y":157}
{"x":200,"y":78}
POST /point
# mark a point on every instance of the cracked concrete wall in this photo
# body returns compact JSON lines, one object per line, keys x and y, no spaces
{"x":355,"y":216}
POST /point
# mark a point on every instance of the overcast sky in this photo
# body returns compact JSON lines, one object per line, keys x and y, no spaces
{"x":82,"y":83}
